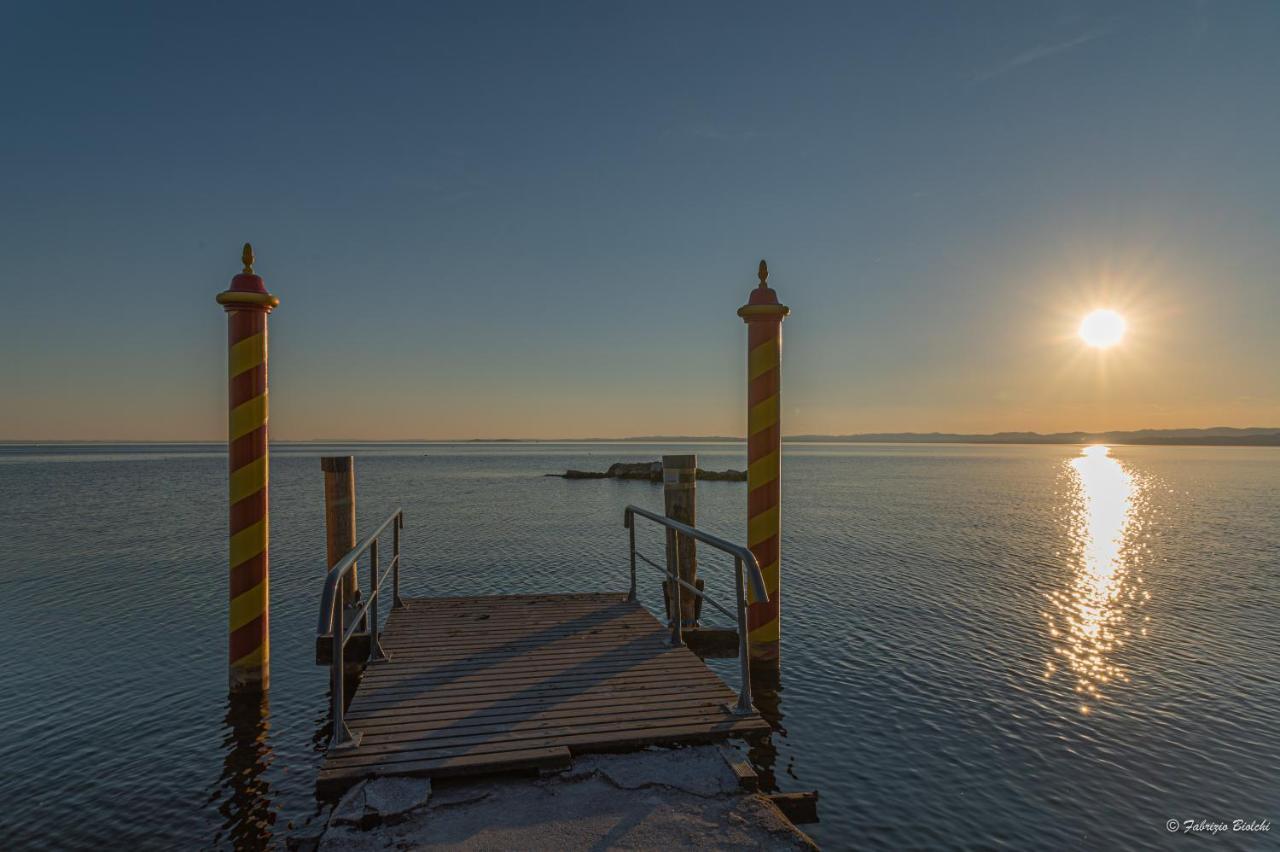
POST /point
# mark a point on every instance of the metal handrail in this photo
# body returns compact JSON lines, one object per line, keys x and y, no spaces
{"x":333,"y":623}
{"x":741,"y":556}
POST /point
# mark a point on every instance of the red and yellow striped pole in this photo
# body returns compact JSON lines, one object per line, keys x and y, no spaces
{"x":247,"y":304}
{"x":763,"y":316}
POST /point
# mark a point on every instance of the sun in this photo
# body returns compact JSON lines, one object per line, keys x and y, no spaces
{"x":1102,"y":328}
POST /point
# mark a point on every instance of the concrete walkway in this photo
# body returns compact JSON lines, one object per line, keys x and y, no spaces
{"x":682,"y":798}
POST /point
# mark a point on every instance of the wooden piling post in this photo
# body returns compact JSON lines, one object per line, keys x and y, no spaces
{"x":763,"y":316}
{"x":679,"y":492}
{"x":247,"y":304}
{"x":340,"y":515}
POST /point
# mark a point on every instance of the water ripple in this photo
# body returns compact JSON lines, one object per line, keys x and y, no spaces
{"x":947,"y":612}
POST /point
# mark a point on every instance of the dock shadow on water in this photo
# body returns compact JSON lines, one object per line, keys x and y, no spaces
{"x":243,"y":795}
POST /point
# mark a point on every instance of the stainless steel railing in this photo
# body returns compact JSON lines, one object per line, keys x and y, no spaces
{"x":333,"y":616}
{"x":741,"y":556}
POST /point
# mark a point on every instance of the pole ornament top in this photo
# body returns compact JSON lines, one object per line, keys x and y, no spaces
{"x":762,"y":305}
{"x":247,"y":292}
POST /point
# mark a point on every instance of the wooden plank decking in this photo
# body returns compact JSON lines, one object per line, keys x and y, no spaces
{"x":490,"y":684}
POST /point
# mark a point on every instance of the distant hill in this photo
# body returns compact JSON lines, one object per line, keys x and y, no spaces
{"x":1218,"y":436}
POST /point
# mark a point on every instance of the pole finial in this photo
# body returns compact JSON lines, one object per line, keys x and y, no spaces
{"x":764,"y":274}
{"x":246,"y":257}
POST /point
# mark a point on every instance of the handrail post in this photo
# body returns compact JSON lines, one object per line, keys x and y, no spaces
{"x":631,"y":524}
{"x":744,"y":588}
{"x":744,"y":640}
{"x":376,"y":654}
{"x":341,"y":738}
{"x":677,"y":637}
{"x":396,"y":603}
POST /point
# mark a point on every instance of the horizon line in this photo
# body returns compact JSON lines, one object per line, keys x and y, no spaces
{"x":850,"y":437}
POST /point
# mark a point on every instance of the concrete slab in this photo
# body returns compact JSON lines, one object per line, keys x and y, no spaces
{"x":681,"y":798}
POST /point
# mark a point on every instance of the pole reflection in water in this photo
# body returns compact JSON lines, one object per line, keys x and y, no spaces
{"x":766,"y":694}
{"x":244,"y":795}
{"x":1092,"y":618}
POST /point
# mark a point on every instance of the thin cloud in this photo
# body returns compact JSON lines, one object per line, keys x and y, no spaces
{"x":1035,"y":54}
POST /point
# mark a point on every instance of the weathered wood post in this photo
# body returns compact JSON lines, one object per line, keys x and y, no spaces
{"x":679,"y":492}
{"x":763,"y":315}
{"x":247,"y":304}
{"x":340,"y":515}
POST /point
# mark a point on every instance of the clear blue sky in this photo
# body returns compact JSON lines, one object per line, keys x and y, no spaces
{"x":538,"y":219}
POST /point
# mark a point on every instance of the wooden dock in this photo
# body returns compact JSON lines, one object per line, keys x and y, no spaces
{"x":492,"y":684}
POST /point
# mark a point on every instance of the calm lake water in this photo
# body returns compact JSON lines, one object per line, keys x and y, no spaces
{"x":1027,"y":647}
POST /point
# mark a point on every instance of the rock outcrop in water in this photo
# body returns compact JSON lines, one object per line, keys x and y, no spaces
{"x":649,"y":471}
{"x":723,"y":475}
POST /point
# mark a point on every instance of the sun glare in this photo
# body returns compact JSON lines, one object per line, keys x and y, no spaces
{"x":1102,"y":328}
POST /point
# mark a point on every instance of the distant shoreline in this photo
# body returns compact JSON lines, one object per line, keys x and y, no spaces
{"x":1222,"y":436}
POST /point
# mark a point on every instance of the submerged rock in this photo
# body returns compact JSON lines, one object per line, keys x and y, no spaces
{"x":306,"y":837}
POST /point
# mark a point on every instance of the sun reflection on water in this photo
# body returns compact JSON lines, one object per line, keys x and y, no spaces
{"x":1093,"y":617}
